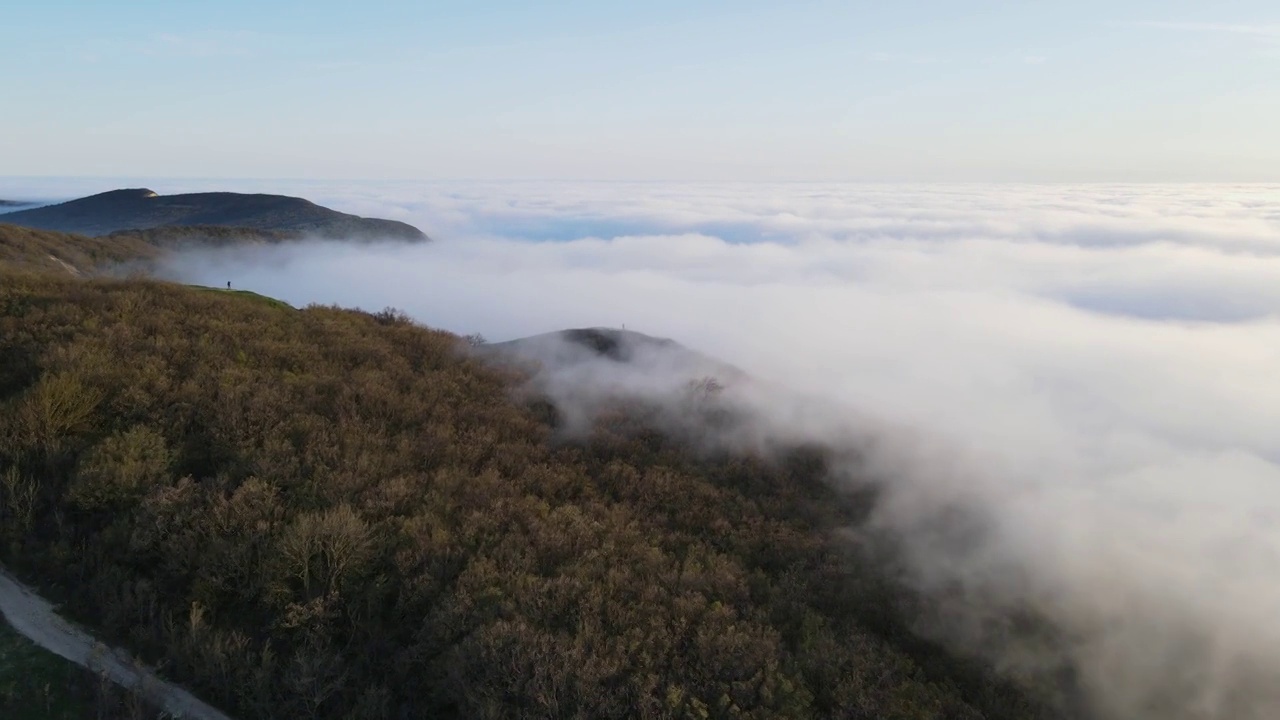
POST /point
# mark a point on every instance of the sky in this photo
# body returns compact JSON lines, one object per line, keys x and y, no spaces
{"x":813,"y":90}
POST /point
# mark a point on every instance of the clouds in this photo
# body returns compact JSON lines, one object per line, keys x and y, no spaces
{"x":1090,"y":369}
{"x":1261,"y":39}
{"x":1265,"y":30}
{"x":1132,"y":308}
{"x":1159,"y":252}
{"x":1158,"y":282}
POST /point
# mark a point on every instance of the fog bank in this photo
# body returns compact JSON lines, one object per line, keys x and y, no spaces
{"x":1088,"y":370}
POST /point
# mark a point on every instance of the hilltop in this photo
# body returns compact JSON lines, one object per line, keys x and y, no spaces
{"x":144,"y":209}
{"x":625,"y":350}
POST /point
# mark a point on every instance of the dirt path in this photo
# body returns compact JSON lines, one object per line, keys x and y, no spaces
{"x":35,"y":619}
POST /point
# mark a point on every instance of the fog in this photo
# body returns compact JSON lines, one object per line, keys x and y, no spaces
{"x":1089,"y":372}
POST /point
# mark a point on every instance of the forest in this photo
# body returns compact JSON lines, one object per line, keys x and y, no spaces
{"x":332,"y":513}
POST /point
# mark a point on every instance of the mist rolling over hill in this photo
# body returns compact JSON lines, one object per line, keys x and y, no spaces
{"x":1059,"y":398}
{"x":670,"y":361}
{"x":344,"y":513}
{"x":572,"y":351}
{"x":1084,"y":372}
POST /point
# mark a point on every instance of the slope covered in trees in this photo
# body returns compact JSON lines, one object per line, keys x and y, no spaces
{"x":331,"y":513}
{"x":121,"y":252}
{"x":43,"y":250}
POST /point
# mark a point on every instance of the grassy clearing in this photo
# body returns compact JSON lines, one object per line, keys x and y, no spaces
{"x":246,"y":294}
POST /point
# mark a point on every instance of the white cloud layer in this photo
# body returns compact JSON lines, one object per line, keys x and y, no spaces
{"x":1102,"y":358}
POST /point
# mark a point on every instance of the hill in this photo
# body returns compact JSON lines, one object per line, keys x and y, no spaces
{"x":332,"y":513}
{"x":360,"y":428}
{"x":627,"y":351}
{"x":118,"y":252}
{"x":143,"y":209}
{"x":42,"y":250}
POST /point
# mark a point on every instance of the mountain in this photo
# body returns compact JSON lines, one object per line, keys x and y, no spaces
{"x":143,"y":209}
{"x":623,"y":350}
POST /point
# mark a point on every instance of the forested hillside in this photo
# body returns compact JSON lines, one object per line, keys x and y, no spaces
{"x":24,"y":249}
{"x":331,"y":513}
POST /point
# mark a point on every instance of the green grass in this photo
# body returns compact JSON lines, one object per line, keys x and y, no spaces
{"x":246,"y":294}
{"x":36,"y":684}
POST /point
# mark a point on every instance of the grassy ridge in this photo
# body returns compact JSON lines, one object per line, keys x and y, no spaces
{"x":245,"y":295}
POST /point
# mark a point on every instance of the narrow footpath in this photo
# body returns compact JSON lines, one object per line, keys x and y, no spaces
{"x":33,"y":617}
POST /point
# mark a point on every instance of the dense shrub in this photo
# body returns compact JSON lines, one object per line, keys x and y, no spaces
{"x":41,"y":250}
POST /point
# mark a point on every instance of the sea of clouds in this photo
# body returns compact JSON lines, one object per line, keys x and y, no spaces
{"x":1093,"y":369}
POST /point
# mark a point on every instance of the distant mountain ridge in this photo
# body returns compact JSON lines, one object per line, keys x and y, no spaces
{"x":144,"y":209}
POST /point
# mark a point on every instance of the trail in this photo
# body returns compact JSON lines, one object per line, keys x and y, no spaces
{"x":33,"y":617}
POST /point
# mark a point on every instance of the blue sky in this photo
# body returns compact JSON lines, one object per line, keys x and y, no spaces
{"x":745,"y":90}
